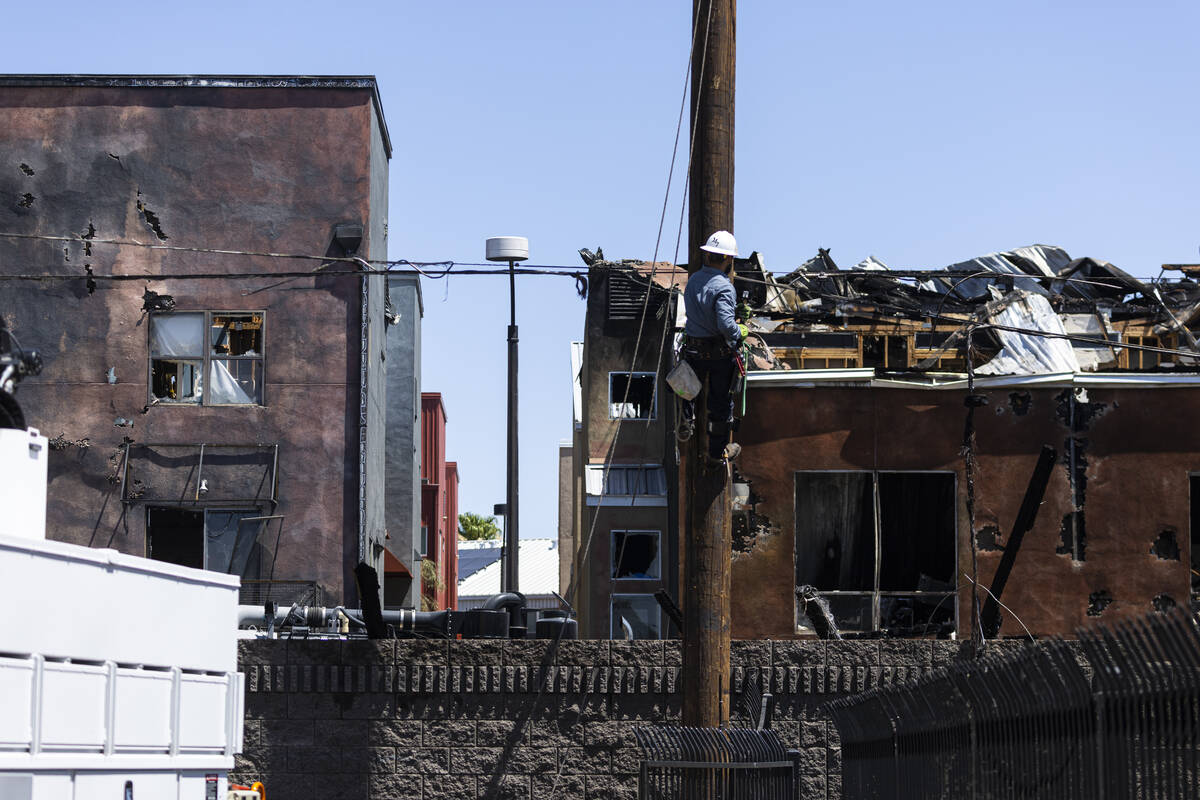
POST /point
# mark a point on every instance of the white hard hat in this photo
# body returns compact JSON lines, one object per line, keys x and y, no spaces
{"x":721,"y":243}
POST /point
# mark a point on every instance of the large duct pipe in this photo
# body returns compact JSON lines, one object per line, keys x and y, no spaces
{"x":514,"y":604}
{"x":429,"y":623}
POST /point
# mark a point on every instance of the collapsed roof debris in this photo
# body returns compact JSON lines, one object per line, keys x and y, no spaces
{"x":1029,"y":311}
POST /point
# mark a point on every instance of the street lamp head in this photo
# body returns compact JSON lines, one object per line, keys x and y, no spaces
{"x":507,"y":248}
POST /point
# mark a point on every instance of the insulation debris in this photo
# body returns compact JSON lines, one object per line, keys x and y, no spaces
{"x":1030,"y":311}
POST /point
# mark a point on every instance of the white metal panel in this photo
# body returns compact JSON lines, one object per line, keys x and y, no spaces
{"x":23,"y":459}
{"x":16,"y":689}
{"x":16,"y":786}
{"x":202,"y":712}
{"x":146,"y":786}
{"x":139,"y":620}
{"x":74,"y":700}
{"x":54,"y":786}
{"x":142,"y":718}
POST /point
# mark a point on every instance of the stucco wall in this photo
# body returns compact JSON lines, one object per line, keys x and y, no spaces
{"x":1131,"y":457}
{"x":262,"y":170}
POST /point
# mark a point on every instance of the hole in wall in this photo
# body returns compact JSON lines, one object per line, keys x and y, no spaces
{"x":1166,"y":546}
{"x":1098,"y":601}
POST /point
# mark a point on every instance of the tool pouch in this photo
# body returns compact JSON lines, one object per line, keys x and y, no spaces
{"x":683,"y":381}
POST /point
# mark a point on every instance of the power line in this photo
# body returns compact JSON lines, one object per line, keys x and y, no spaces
{"x":183,"y":276}
{"x":448,"y":264}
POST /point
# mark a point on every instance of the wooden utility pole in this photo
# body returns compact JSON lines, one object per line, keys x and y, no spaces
{"x":710,"y":197}
{"x":707,"y":536}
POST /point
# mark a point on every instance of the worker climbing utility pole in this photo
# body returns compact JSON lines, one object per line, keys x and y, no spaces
{"x":707,"y":537}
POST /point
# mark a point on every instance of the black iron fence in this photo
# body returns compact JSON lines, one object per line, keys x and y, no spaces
{"x":715,"y":764}
{"x":1115,"y":716}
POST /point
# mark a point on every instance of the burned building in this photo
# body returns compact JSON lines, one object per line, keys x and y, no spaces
{"x":994,"y":445}
{"x":189,"y":256}
{"x":623,"y":464}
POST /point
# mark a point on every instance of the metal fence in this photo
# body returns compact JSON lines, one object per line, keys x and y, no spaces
{"x":1036,"y":724}
{"x":283,"y":593}
{"x":715,"y":764}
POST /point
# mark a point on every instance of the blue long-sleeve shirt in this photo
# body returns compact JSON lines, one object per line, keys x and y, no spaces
{"x":709,"y":300}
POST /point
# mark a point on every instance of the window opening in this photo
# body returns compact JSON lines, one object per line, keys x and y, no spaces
{"x":1144,"y":359}
{"x":224,"y":368}
{"x":219,"y":540}
{"x":880,"y":547}
{"x":640,"y":402}
{"x":635,"y":555}
{"x":176,"y":535}
{"x":640,"y":612}
{"x":888,"y":352}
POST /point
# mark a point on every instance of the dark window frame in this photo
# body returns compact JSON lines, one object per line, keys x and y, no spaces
{"x":207,"y":357}
{"x":629,"y":376}
{"x":612,"y":602}
{"x":249,"y":513}
{"x":614,"y":555}
{"x":875,"y":594}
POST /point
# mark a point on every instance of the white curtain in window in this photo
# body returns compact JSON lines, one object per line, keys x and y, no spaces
{"x":178,"y":335}
{"x":625,"y":411}
{"x":225,"y":388}
{"x":625,"y":480}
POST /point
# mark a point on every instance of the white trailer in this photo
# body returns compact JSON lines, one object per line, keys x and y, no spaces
{"x":118,"y":674}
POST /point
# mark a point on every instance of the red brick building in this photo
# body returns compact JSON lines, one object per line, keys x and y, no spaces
{"x":439,"y":507}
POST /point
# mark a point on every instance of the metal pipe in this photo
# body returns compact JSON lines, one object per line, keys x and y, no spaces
{"x":428,"y":623}
{"x":511,"y":517}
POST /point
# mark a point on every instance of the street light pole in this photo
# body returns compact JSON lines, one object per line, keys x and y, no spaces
{"x":511,"y":249}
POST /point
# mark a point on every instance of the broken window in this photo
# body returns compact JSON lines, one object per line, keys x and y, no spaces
{"x":879,"y":546}
{"x":223,"y":368}
{"x":1144,"y":359}
{"x":638,"y":403}
{"x":635,"y":555}
{"x":219,"y":540}
{"x":636,"y":616}
{"x":887,"y":352}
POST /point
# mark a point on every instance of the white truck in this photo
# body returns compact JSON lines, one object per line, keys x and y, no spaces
{"x":118,"y":674}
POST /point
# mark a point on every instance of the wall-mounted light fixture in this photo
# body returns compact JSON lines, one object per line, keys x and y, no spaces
{"x":348,"y":237}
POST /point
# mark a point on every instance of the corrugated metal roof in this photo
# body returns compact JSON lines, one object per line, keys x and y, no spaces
{"x":474,"y":556}
{"x":538,"y":564}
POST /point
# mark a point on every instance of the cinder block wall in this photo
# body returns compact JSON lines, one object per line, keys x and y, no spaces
{"x":408,"y":720}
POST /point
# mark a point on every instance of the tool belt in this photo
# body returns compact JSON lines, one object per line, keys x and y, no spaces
{"x":706,"y":347}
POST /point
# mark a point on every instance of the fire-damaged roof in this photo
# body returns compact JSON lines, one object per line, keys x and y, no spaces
{"x":1030,"y":311}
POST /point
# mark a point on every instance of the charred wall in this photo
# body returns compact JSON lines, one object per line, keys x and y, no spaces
{"x":1120,"y":480}
{"x":609,"y":346}
{"x":609,"y":350}
{"x":248,"y":169}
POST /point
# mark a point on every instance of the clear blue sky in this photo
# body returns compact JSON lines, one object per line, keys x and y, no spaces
{"x":921,"y":133}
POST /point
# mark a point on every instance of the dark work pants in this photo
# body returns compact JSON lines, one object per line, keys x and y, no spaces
{"x":719,"y":373}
